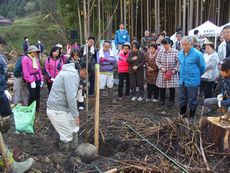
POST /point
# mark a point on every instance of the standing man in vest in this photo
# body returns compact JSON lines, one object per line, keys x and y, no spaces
{"x":121,"y":36}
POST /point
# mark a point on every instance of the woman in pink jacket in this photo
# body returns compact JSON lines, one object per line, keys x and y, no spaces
{"x":123,"y":68}
{"x":32,"y":74}
{"x":53,"y":66}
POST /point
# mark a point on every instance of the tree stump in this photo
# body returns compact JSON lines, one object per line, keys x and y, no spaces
{"x":217,"y":131}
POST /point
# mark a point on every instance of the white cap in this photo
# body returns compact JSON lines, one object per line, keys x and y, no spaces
{"x":39,"y":41}
{"x":59,"y":46}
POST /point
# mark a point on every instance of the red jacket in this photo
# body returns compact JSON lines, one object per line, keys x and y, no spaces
{"x":123,"y":66}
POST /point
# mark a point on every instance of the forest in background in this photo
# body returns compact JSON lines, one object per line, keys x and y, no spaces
{"x":102,"y":17}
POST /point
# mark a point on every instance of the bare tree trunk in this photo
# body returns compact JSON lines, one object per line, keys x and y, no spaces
{"x":165,"y":19}
{"x":125,"y":13}
{"x":201,"y":12}
{"x":88,"y":16}
{"x":176,"y":16}
{"x":99,"y":20}
{"x":85,"y":21}
{"x":184,"y":16}
{"x":142,"y":17}
{"x":218,"y":14}
{"x":132,"y":20}
{"x":121,"y":10}
{"x":179,"y":12}
{"x":79,"y":19}
{"x":150,"y":9}
{"x":197,"y":12}
{"x":103,"y":18}
{"x":147,"y":14}
{"x":136,"y":17}
{"x":157,"y":16}
{"x":190,"y":15}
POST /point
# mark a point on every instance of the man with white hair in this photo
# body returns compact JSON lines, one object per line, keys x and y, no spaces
{"x":192,"y":66}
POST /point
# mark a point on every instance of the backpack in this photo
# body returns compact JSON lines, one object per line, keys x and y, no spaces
{"x":18,"y":68}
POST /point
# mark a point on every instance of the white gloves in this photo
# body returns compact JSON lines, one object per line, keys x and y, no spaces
{"x":41,"y":84}
{"x":219,"y":98}
{"x":8,"y":95}
{"x":33,"y":85}
{"x":52,"y":79}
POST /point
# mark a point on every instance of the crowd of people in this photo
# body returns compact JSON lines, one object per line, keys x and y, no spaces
{"x":190,"y":64}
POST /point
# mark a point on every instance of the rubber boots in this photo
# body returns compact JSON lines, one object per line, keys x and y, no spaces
{"x":183,"y":111}
{"x":111,"y":95}
{"x":74,"y":142}
{"x":17,"y":167}
{"x":64,"y":147}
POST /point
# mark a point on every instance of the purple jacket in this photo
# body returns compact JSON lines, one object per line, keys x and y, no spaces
{"x":29,"y":73}
{"x":107,"y":62}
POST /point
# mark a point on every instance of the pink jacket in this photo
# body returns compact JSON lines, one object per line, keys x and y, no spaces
{"x":29,"y":73}
{"x":53,"y":67}
{"x":123,"y":66}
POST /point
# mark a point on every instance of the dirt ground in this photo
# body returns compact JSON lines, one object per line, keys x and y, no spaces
{"x":119,"y":147}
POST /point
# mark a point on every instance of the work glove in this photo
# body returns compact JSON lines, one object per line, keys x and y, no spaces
{"x":5,"y":124}
{"x":41,"y":84}
{"x":8,"y":95}
{"x":220,"y":98}
{"x":52,"y":79}
{"x":33,"y":85}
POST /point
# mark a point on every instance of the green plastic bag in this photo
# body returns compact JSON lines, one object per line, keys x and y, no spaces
{"x":24,"y":117}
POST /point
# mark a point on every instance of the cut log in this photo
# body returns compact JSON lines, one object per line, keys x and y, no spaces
{"x":217,"y":131}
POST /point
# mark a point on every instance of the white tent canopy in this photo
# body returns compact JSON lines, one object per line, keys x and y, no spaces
{"x":221,"y":27}
{"x":207,"y":29}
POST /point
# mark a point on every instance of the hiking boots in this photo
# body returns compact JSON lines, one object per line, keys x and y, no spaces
{"x":16,"y":167}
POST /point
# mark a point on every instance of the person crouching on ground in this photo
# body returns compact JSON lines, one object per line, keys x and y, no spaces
{"x":151,"y":73}
{"x":53,"y":66}
{"x":107,"y":60}
{"x":223,"y":99}
{"x":123,"y":69}
{"x":74,"y":58}
{"x":136,"y":62}
{"x":32,"y":74}
{"x":62,"y":104}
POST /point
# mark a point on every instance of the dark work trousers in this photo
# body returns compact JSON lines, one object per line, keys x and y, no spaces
{"x":137,"y":80}
{"x":49,"y":86}
{"x":171,"y":94}
{"x":5,"y":109}
{"x":218,"y":86}
{"x":34,"y":95}
{"x":208,"y":88}
{"x":152,"y":89}
{"x":122,"y":77}
{"x":92,"y":83}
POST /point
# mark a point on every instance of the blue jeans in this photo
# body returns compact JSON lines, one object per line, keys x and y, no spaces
{"x":212,"y":103}
{"x":5,"y":109}
{"x":188,"y":95}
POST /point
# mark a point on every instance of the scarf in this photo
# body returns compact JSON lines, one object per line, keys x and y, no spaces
{"x":101,"y":53}
{"x":34,"y":61}
{"x":92,"y":50}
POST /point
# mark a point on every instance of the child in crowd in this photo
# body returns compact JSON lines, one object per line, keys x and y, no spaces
{"x":151,"y":73}
{"x":123,"y":69}
{"x":223,"y":99}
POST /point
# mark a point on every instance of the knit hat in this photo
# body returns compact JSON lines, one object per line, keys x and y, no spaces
{"x":33,"y":48}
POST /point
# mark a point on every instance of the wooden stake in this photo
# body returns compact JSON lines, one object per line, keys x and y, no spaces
{"x":3,"y":152}
{"x":97,"y":103}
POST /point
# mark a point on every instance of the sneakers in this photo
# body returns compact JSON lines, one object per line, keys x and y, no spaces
{"x":81,"y":108}
{"x":133,"y":99}
{"x":154,"y":100}
{"x":147,"y":100}
{"x":140,"y":99}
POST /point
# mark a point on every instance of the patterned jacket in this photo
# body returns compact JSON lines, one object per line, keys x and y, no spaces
{"x":151,"y":68}
{"x":168,"y":61}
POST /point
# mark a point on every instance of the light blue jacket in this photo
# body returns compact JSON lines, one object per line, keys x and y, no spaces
{"x":192,"y":67}
{"x":121,"y":37}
